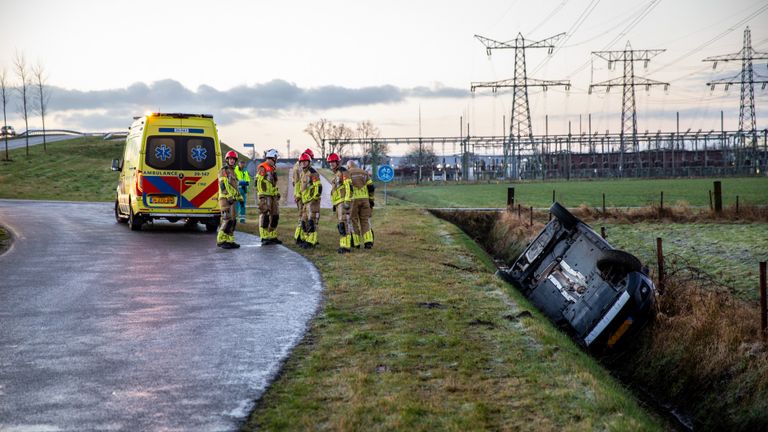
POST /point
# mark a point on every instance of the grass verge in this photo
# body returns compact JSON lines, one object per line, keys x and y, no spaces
{"x":702,"y":353}
{"x":5,"y":240}
{"x":418,"y":334}
{"x":619,"y":193}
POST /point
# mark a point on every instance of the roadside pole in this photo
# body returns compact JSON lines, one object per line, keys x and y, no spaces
{"x":385,"y":173}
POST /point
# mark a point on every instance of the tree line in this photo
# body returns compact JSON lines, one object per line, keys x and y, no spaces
{"x":31,"y":89}
{"x":333,"y":138}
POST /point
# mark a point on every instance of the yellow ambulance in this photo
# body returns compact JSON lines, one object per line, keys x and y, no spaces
{"x":169,"y":171}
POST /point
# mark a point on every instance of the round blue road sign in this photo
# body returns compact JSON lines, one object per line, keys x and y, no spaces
{"x":385,"y":173}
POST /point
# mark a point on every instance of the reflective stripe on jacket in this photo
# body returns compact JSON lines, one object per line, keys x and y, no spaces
{"x":360,"y":180}
{"x":266,"y":179}
{"x":310,"y":185}
{"x":228,"y":184}
{"x":340,"y":187}
{"x":242,"y":175}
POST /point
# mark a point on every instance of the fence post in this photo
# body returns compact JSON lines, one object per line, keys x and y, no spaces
{"x":661,"y":204}
{"x":711,"y":207}
{"x":718,"y":197}
{"x":603,"y":203}
{"x":763,"y":306}
{"x":510,"y":197}
{"x":519,"y":211}
{"x":660,"y":261}
{"x":602,"y":231}
{"x":532,"y":215}
{"x":737,"y":205}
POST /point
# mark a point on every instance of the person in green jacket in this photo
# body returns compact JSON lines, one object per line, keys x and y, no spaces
{"x":243,"y":182}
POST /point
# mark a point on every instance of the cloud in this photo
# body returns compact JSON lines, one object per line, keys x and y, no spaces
{"x":236,"y":103}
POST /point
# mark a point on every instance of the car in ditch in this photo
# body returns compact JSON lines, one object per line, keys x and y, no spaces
{"x":600,"y":294}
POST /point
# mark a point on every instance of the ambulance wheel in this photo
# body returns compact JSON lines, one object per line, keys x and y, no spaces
{"x":211,"y":226}
{"x":134,"y":222}
{"x":118,"y":217}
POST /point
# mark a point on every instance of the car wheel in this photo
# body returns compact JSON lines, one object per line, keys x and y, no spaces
{"x":564,"y":216}
{"x":118,"y":217}
{"x":134,"y":222}
{"x":616,"y":264}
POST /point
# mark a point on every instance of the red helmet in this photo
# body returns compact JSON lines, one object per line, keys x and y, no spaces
{"x":310,"y":153}
{"x":333,"y":157}
{"x":231,"y":154}
{"x":305,"y":157}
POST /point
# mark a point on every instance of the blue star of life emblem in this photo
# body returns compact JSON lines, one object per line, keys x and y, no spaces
{"x":163,"y":152}
{"x":199,"y":154}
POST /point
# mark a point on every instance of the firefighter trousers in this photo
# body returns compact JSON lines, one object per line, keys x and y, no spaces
{"x":361,"y":222}
{"x":269,"y":216}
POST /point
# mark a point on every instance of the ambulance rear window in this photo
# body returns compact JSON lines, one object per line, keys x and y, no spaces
{"x":194,"y":153}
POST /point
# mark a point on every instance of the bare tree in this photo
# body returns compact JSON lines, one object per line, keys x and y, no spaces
{"x":4,"y":99}
{"x":320,"y":131}
{"x":43,"y":96}
{"x":22,"y":73}
{"x":373,"y":150}
{"x":339,"y":140}
{"x":420,"y":156}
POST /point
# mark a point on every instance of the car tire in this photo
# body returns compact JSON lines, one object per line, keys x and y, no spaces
{"x":564,"y":216}
{"x":616,"y":264}
{"x":118,"y":217}
{"x":134,"y":223}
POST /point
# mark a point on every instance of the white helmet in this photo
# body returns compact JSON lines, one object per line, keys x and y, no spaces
{"x":271,"y":153}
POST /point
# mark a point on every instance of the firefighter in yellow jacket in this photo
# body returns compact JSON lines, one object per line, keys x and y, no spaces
{"x":269,"y":198}
{"x":244,"y":181}
{"x":341,"y":197}
{"x":229,"y":197}
{"x":310,"y":197}
{"x":362,"y":205}
{"x":298,"y":233}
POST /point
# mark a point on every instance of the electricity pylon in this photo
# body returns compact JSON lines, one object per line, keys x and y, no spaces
{"x":628,"y":82}
{"x":746,"y":79}
{"x":520,"y":120}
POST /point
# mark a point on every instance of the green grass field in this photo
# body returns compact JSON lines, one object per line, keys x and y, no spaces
{"x":729,"y":253}
{"x":618,"y":193}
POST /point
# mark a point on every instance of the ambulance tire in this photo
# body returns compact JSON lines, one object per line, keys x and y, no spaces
{"x":119,"y":217}
{"x":134,"y":222}
{"x":212,"y":225}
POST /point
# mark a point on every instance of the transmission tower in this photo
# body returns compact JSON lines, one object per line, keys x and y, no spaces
{"x":628,"y":82}
{"x":520,"y":130}
{"x":746,"y":79}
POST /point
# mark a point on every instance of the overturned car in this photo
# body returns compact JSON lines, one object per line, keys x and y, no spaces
{"x":600,"y":294}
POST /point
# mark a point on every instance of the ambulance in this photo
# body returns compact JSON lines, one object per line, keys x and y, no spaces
{"x":169,"y":171}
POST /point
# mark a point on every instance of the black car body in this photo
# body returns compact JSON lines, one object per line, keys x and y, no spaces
{"x":576,"y":278}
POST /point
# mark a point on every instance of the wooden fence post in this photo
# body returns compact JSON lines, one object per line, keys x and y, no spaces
{"x":660,"y":261}
{"x":510,"y":197}
{"x":718,"y":197}
{"x":763,"y":306}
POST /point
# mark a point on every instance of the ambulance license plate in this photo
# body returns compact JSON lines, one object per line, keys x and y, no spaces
{"x":161,"y":199}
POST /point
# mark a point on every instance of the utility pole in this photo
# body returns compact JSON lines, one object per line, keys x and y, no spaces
{"x":520,"y":119}
{"x":747,"y":81}
{"x":628,"y":82}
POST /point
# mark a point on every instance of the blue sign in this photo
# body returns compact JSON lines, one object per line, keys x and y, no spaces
{"x":385,"y":173}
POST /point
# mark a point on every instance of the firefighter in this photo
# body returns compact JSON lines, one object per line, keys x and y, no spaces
{"x":362,"y":205}
{"x":296,"y":183}
{"x":228,"y":197}
{"x":269,"y":198}
{"x":244,"y":181}
{"x":310,"y":197}
{"x":341,"y":196}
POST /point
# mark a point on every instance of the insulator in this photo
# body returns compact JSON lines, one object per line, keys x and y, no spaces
{"x":714,"y":65}
{"x":568,"y":87}
{"x":712,"y":87}
{"x":590,"y":90}
{"x":645,"y":64}
{"x":763,"y":87}
{"x":727,"y":86}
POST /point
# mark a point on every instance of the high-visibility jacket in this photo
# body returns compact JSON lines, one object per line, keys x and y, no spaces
{"x":242,"y":175}
{"x":266,"y":179}
{"x":340,"y":187}
{"x":362,"y":185}
{"x":228,"y":184}
{"x":296,"y":179}
{"x":310,"y":185}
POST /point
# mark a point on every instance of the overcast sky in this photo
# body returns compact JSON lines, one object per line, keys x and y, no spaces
{"x":267,"y":69}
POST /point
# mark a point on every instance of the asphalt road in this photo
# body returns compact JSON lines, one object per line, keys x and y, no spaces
{"x":107,"y":329}
{"x":33,"y":140}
